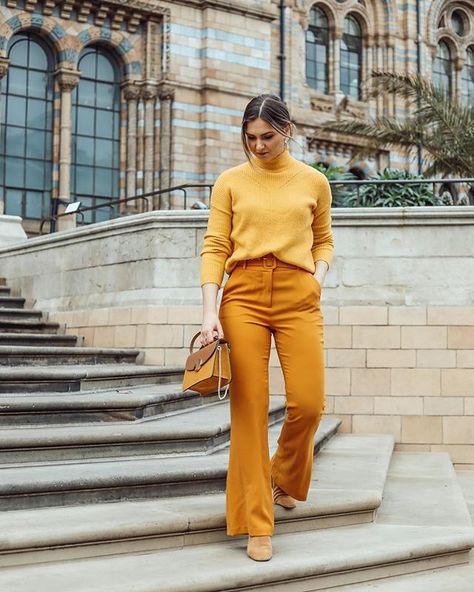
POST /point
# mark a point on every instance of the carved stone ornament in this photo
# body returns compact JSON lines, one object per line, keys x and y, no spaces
{"x":149,"y":90}
{"x":144,"y":7}
{"x":131,"y":92}
{"x":67,"y":79}
{"x":166,"y":93}
{"x":4,"y":65}
{"x":321,"y":104}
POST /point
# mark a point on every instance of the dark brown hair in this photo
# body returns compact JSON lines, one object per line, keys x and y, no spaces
{"x":271,"y":109}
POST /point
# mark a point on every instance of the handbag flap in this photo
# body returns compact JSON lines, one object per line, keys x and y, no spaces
{"x":197,"y":359}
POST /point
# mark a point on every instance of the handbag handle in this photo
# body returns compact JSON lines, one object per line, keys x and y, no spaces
{"x":191,"y":345}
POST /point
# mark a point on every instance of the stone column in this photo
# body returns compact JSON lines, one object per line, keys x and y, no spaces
{"x":336,"y":65}
{"x":131,"y":93}
{"x":4,"y":65}
{"x":149,"y":94}
{"x":166,"y":94}
{"x":67,"y":80}
{"x":458,"y":66}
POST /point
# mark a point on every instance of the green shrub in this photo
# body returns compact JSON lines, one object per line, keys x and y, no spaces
{"x":340,"y":193}
{"x":394,"y":195}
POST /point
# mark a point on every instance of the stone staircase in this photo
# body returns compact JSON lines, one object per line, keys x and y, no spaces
{"x":111,"y":479}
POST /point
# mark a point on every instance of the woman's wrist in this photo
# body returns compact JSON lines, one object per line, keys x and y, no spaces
{"x":321,"y":268}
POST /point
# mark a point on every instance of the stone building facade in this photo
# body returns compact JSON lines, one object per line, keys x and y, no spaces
{"x":116,"y":98}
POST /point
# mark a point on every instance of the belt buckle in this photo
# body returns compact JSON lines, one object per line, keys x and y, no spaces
{"x":269,"y":262}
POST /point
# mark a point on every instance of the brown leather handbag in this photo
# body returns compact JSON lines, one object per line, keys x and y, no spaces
{"x":207,"y":370}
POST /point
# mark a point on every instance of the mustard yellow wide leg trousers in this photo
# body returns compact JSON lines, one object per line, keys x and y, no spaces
{"x":259,"y":301}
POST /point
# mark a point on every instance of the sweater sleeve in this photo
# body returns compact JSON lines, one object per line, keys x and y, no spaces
{"x":217,"y":246}
{"x":323,"y":241}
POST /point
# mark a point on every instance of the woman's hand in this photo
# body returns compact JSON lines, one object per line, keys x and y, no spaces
{"x":211,"y":328}
{"x":320,"y":271}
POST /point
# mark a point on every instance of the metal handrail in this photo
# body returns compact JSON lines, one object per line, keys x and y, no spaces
{"x":109,"y":204}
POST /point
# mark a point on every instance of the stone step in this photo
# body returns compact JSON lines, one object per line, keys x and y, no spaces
{"x":466,"y":482}
{"x":103,"y":529}
{"x":5,"y":291}
{"x":23,"y":355}
{"x":457,"y":578}
{"x":74,"y":483}
{"x":21,"y":314}
{"x":422,"y":489}
{"x":29,"y":326}
{"x":132,"y":403}
{"x":77,"y":378}
{"x":40,"y":339}
{"x":313,"y":560}
{"x":194,"y":430}
{"x":11,"y":301}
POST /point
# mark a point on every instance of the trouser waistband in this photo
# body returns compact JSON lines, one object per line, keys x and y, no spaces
{"x":267,"y":261}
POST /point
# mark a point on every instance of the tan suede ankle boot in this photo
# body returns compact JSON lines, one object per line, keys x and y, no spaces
{"x":281,"y":498}
{"x":259,"y":548}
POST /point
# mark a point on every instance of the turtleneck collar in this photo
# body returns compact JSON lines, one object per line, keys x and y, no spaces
{"x":277,"y":164}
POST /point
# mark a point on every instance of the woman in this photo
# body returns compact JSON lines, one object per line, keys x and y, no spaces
{"x":270,"y":229}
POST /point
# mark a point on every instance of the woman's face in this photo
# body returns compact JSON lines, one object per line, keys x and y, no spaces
{"x":263,"y":140}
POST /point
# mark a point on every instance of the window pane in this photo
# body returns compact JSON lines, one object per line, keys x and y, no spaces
{"x":36,"y":144}
{"x":36,"y":116}
{"x":103,"y":214}
{"x":105,"y":124}
{"x":37,"y":57}
{"x":86,"y":93}
{"x":85,"y":121}
{"x":35,"y":174}
{"x":104,"y":153}
{"x":34,"y":204}
{"x":105,"y":96}
{"x":16,"y":80}
{"x":15,"y":170}
{"x":15,"y":137}
{"x":13,"y":200}
{"x":19,"y":53}
{"x":87,"y":65}
{"x":16,"y":111}
{"x":84,"y":150}
{"x":103,"y":182}
{"x":85,"y":179}
{"x":37,"y":84}
{"x":105,"y":70}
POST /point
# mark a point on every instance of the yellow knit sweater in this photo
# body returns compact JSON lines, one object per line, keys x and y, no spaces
{"x":281,"y":206}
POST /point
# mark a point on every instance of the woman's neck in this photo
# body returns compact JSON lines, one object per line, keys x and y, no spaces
{"x":276,"y":164}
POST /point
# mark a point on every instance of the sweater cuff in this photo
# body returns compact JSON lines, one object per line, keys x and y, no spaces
{"x":323,"y":254}
{"x":212,"y":269}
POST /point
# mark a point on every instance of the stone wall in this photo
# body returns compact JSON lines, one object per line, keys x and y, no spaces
{"x":397,"y":256}
{"x":398,"y":305}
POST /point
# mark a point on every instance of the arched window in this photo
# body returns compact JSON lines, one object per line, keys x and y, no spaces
{"x":467,"y":78}
{"x":442,"y":68}
{"x":351,"y":58}
{"x":26,"y":136}
{"x":317,"y":49}
{"x":95,"y":132}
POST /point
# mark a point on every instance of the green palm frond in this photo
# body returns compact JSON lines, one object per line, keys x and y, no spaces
{"x":442,"y":127}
